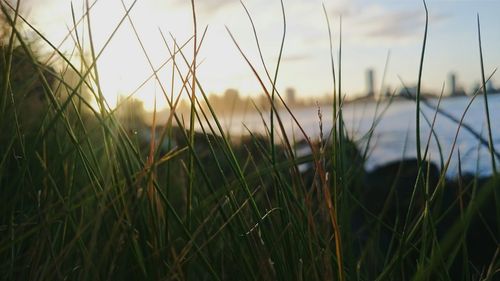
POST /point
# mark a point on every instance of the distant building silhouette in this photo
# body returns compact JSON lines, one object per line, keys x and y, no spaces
{"x":388,"y":92}
{"x":455,"y":91}
{"x":370,"y":83}
{"x":291,"y":97}
{"x":410,"y":91}
{"x":490,"y":88}
{"x":452,"y":78}
{"x":475,"y":88}
{"x":231,"y":95}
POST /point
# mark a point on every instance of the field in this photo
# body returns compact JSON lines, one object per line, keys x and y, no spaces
{"x":90,"y":192}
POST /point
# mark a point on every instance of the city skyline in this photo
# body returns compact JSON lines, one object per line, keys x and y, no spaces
{"x":370,"y":31}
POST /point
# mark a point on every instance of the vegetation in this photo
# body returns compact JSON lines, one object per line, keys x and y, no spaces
{"x":93,"y":193}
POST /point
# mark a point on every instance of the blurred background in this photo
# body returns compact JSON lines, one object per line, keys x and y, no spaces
{"x":376,"y":36}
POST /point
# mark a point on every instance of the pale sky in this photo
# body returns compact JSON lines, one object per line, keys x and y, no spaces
{"x":370,"y":29}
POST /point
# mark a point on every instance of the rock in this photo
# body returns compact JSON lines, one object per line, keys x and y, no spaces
{"x":393,"y":184}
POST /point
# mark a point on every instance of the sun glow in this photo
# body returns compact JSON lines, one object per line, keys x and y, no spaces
{"x":132,"y":58}
{"x":136,"y":49}
{"x":130,"y":64}
{"x":137,"y":60}
{"x":368,"y":33}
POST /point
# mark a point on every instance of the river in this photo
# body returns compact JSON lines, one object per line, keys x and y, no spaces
{"x":394,"y":134}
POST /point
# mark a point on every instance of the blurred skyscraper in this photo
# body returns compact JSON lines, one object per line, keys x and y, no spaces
{"x":455,"y":90}
{"x":452,"y":79}
{"x":290,"y":96}
{"x":370,"y":87}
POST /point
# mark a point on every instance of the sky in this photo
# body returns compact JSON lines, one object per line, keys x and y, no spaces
{"x":372,"y":33}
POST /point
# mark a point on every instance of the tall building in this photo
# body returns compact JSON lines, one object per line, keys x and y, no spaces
{"x":452,"y":78}
{"x":370,"y":81}
{"x":490,"y":87}
{"x":290,"y":96}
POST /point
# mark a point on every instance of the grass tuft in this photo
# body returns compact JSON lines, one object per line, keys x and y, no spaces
{"x":96,"y":193}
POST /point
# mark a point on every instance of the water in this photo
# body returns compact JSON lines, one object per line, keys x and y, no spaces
{"x":394,"y":136}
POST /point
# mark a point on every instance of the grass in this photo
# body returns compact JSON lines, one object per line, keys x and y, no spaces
{"x":84,"y":197}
